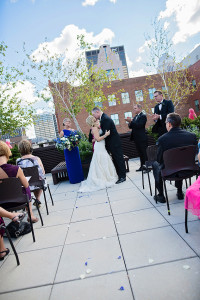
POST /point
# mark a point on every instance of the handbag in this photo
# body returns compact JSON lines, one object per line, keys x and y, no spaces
{"x":16,"y":229}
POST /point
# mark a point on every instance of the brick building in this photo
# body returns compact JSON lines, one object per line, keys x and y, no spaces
{"x":135,"y":90}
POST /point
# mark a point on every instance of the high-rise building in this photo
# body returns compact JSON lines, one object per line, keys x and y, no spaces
{"x":45,"y":126}
{"x":192,"y":58}
{"x":110,"y":59}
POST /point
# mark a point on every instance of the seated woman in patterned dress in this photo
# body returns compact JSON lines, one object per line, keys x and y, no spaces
{"x":7,"y":170}
{"x":28,"y":160}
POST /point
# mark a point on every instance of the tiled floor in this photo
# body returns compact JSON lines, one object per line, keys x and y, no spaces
{"x":112,"y":244}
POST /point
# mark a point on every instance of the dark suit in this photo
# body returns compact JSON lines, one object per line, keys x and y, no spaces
{"x":176,"y":137}
{"x":138,"y":135}
{"x":167,"y":108}
{"x":113,"y":145}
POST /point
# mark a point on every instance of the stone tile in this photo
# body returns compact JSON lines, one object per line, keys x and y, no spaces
{"x":101,"y":257}
{"x":91,"y":212}
{"x":36,"y":268}
{"x":87,"y":199}
{"x":30,"y":294}
{"x":153,"y":246}
{"x":192,"y":237}
{"x":60,"y":205}
{"x":121,"y":194}
{"x":105,"y":287}
{"x":92,"y":229}
{"x":177,"y":213}
{"x":130,"y":204}
{"x":45,"y":237}
{"x":139,"y":220}
{"x":167,"y":281}
{"x":64,"y":196}
{"x":55,"y":218}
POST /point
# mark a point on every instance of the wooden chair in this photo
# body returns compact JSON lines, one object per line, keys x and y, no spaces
{"x":179,"y":164}
{"x":152,"y":156}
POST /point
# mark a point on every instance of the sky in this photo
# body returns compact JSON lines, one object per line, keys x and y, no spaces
{"x":115,"y":22}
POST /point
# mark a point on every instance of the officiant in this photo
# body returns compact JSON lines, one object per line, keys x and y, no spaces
{"x":161,"y":110}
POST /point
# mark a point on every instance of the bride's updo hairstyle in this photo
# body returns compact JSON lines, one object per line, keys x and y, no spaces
{"x":91,"y":121}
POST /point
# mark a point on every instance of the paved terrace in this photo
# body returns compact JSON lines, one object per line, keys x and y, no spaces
{"x":118,"y":240}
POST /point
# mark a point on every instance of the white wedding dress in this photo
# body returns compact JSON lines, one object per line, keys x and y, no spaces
{"x":102,"y":173}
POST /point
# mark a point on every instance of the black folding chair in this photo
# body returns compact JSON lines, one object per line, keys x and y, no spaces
{"x":13,"y":199}
{"x":37,"y":182}
{"x":152,"y":156}
{"x":179,"y":164}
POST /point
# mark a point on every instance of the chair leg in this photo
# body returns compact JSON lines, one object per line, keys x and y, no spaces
{"x":149,"y":183}
{"x":166,"y":197}
{"x":190,"y":181}
{"x":143,"y":178}
{"x":50,"y":194}
{"x":29,"y":214}
{"x":45,"y":201}
{"x":186,"y":219}
{"x":39,"y":213}
{"x":186,"y":183}
{"x":156,"y":193}
{"x":12,"y":246}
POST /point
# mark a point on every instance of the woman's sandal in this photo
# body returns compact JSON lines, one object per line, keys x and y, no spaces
{"x":7,"y":251}
{"x":18,"y":218}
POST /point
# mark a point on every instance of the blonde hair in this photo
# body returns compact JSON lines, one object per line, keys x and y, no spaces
{"x":91,"y":121}
{"x":5,"y":150}
{"x":66,"y":120}
{"x":25,"y":147}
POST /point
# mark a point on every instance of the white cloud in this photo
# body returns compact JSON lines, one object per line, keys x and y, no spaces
{"x":146,"y":45}
{"x":166,"y":25}
{"x":138,"y":73}
{"x":68,"y":40}
{"x":129,"y":62}
{"x":138,"y":59}
{"x":93,"y":2}
{"x":187,"y":16}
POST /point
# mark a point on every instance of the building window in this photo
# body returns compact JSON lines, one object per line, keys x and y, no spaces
{"x":151,"y":95}
{"x":139,"y":95}
{"x":128,"y":114}
{"x":111,"y":100}
{"x":97,"y":102}
{"x":115,"y":118}
{"x":196,"y":102}
{"x":125,"y":98}
{"x":194,"y":83}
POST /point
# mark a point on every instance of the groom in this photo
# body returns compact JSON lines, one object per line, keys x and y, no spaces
{"x":113,"y":143}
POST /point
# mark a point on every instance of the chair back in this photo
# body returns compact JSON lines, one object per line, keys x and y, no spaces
{"x":11,"y":191}
{"x":33,"y":173}
{"x":151,"y":153}
{"x":179,"y":159}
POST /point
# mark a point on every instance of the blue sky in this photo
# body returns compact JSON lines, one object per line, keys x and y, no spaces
{"x":116,"y":22}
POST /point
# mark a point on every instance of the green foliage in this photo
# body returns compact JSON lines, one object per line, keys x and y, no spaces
{"x":85,"y":150}
{"x":13,"y":113}
{"x":149,"y":132}
{"x":15,"y":155}
{"x":191,"y":125}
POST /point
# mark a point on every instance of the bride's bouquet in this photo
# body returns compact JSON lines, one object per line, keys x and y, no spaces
{"x":68,"y":142}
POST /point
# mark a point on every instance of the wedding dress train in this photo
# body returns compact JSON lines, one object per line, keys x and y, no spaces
{"x":102,"y":173}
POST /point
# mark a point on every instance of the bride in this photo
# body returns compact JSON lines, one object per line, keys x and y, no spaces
{"x":102,"y":173}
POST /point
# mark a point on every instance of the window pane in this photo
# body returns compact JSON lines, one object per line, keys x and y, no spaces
{"x":111,"y":100}
{"x":151,"y":91}
{"x":194,"y":83}
{"x":115,"y":118}
{"x":125,"y":98}
{"x":97,"y":102}
{"x":139,"y":95}
{"x":128,"y":114}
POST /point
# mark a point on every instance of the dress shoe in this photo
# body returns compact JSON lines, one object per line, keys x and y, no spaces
{"x":180,"y":195}
{"x":159,"y":198}
{"x":139,"y":170}
{"x":121,"y":180}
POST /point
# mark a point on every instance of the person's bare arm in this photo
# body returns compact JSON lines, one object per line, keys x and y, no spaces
{"x":61,"y":134}
{"x":22,"y":178}
{"x":40,"y":164}
{"x":96,"y":135}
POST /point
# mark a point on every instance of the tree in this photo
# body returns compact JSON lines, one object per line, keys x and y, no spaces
{"x":13,"y":114}
{"x":72,"y":85}
{"x":175,"y":77}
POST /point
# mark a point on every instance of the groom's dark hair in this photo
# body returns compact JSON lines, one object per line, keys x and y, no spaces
{"x":96,"y":109}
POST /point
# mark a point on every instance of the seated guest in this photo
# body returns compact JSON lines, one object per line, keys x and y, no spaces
{"x":15,"y":217}
{"x":174,"y":138}
{"x":7,"y":170}
{"x":29,"y":160}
